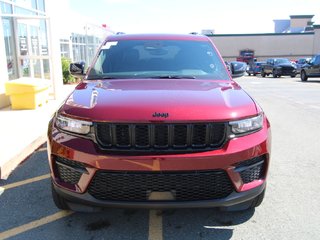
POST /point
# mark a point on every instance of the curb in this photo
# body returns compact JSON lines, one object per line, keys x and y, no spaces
{"x":7,"y":168}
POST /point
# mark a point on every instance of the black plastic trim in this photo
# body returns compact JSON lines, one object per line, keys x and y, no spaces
{"x":233,"y":199}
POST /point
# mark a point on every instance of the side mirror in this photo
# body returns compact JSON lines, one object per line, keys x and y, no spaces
{"x":77,"y":69}
{"x":238,"y":69}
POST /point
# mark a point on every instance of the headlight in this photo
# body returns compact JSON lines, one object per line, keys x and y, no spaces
{"x":73,"y":125}
{"x":247,"y":125}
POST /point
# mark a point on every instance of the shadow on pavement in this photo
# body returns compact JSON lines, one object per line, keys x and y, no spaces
{"x":309,"y":81}
{"x":202,"y":223}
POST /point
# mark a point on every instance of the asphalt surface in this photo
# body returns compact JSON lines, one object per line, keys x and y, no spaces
{"x":290,"y":209}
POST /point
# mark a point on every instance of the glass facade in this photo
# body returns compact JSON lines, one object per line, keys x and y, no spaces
{"x":84,"y":45}
{"x":9,"y":41}
{"x":26,"y":38}
{"x":34,"y":6}
{"x":6,"y":8}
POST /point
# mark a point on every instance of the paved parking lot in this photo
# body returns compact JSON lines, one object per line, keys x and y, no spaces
{"x":289,"y":211}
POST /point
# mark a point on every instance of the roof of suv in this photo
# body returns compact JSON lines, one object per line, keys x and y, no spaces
{"x":193,"y":37}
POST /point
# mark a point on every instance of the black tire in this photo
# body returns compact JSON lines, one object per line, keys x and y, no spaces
{"x":274,"y":74}
{"x":249,"y":74}
{"x":263,"y":74}
{"x":254,"y":74}
{"x":293,"y":76}
{"x":59,"y":201}
{"x":303,"y":76}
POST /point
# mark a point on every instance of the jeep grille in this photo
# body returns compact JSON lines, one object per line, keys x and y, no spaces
{"x":160,"y":137}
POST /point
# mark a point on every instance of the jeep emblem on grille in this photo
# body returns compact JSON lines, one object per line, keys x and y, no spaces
{"x":162,"y":115}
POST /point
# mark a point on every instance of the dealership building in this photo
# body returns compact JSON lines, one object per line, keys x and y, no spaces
{"x":31,"y":42}
{"x":293,"y":38}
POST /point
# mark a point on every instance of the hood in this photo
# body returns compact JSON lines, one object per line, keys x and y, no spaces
{"x":143,"y":100}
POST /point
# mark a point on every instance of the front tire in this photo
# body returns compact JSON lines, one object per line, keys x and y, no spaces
{"x":263,"y":74}
{"x":274,"y":74}
{"x":59,"y":201}
{"x":303,"y":76}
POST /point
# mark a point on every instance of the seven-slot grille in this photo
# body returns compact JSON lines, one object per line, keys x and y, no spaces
{"x":184,"y":185}
{"x":156,"y":137}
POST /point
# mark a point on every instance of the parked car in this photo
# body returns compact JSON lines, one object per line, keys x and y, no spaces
{"x":311,"y":69}
{"x":158,"y":122}
{"x":278,"y":67}
{"x":300,"y":62}
{"x":254,"y":68}
{"x":227,"y":65}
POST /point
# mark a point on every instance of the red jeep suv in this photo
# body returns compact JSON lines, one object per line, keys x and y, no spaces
{"x":158,"y":122}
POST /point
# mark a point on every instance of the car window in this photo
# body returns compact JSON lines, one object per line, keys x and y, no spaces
{"x":151,"y":58}
{"x":317,"y":60}
{"x":281,"y":60}
{"x":312,"y":61}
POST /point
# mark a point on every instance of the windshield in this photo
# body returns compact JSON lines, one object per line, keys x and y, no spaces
{"x":158,"y":58}
{"x":282,"y":60}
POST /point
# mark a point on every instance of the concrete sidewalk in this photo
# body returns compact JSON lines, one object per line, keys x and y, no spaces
{"x":23,"y":131}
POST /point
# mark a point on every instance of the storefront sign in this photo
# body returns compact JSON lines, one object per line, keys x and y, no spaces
{"x":23,"y":45}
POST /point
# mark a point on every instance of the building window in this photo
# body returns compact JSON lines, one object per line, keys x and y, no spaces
{"x":5,"y":8}
{"x":41,"y":6}
{"x":9,"y":42}
{"x":22,"y":11}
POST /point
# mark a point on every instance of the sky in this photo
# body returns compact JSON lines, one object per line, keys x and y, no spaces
{"x":185,"y":16}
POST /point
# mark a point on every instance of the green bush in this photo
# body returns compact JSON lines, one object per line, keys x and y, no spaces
{"x":67,"y":77}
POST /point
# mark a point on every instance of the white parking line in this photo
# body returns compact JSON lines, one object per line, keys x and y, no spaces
{"x":37,"y":223}
{"x":23,"y":182}
{"x":41,"y":149}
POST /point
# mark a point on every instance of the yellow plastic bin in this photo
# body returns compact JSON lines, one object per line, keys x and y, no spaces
{"x":27,"y":93}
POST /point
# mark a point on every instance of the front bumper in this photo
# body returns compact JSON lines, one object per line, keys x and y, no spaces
{"x":286,"y":72}
{"x":87,"y":160}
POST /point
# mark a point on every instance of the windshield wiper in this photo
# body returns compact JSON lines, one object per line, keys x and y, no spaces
{"x":96,"y":77}
{"x":174,"y":76}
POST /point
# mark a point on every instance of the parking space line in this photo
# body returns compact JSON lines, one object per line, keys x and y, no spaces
{"x":155,"y":225}
{"x":41,"y":149}
{"x":23,"y":182}
{"x":37,"y":223}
